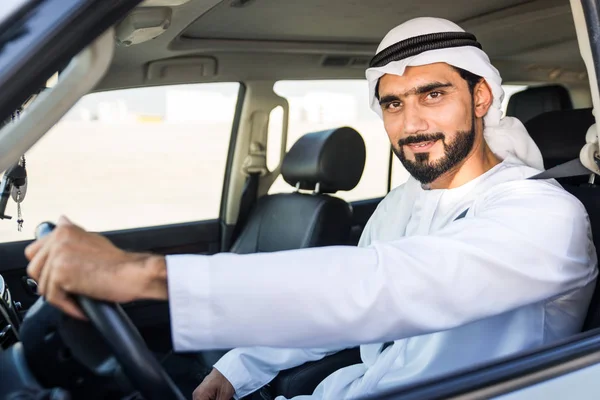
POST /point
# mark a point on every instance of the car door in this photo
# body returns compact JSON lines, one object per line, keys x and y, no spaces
{"x":564,"y":370}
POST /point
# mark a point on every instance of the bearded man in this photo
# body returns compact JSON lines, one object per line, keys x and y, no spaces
{"x":467,"y":261}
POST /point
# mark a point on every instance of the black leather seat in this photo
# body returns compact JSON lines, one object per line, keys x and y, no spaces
{"x":323,"y":162}
{"x":560,"y":135}
{"x":538,"y":100}
{"x":333,"y":160}
{"x":303,"y":380}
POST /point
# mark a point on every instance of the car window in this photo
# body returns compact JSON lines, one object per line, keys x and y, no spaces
{"x":324,"y":104}
{"x":131,"y":158}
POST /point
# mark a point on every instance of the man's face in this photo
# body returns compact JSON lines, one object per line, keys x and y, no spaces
{"x":429,"y":117}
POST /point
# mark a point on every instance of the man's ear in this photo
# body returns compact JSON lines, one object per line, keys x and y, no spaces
{"x":482,"y":98}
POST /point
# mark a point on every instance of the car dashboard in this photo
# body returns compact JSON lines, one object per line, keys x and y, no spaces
{"x":10,"y":320}
{"x":16,"y":375}
{"x":47,"y":354}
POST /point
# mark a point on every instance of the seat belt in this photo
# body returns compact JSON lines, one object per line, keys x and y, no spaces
{"x":564,"y":170}
{"x":248,"y":200}
{"x":254,"y":166}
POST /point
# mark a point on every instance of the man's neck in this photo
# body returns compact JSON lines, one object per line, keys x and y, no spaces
{"x":478,"y":162}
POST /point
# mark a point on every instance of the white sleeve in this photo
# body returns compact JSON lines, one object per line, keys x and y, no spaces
{"x":527,"y":242}
{"x":249,"y":369}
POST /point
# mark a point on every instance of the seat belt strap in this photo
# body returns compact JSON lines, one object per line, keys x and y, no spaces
{"x":248,"y":200}
{"x":564,"y":170}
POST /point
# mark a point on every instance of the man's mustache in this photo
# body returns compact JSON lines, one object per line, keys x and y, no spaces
{"x":421,"y":137}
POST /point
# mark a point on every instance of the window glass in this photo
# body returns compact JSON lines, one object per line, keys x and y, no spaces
{"x":274,"y":138}
{"x":131,"y":158}
{"x":321,"y":104}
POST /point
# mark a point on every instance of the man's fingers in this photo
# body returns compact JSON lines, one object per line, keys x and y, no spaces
{"x":47,"y":269}
{"x":34,"y":247}
{"x":62,"y":300}
{"x":199,"y":394}
{"x":42,"y":280}
{"x":223,"y":395}
{"x":204,"y":392}
{"x":71,"y":308}
{"x":38,"y":261}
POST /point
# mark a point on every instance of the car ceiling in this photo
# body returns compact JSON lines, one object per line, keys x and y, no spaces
{"x":527,"y":40}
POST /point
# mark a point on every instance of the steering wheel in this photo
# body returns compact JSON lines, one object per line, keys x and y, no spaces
{"x":125,"y":342}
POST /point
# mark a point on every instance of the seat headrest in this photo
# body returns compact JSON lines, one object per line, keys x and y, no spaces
{"x":537,"y":100}
{"x":334,"y":159}
{"x":560,"y":135}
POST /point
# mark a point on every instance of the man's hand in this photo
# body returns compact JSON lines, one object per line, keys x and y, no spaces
{"x":73,"y":261}
{"x":214,"y":387}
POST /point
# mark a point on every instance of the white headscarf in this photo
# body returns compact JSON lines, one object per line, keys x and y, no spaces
{"x":504,"y":135}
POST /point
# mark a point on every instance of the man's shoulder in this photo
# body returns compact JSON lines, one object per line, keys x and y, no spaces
{"x":513,"y":185}
{"x":513,"y":178}
{"x":513,"y":169}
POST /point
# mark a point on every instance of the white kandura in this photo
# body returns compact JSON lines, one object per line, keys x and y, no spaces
{"x":511,"y":275}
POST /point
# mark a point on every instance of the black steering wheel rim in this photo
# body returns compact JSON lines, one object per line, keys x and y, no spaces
{"x":127,"y":345}
{"x":130,"y":350}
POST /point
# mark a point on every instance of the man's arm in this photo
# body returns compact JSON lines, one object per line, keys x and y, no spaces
{"x":527,"y":242}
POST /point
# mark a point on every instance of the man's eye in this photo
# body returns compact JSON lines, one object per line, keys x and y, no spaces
{"x":434,"y":95}
{"x":393,"y":106}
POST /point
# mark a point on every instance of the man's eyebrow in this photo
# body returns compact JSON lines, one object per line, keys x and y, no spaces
{"x":415,"y":91}
{"x":428,"y":88}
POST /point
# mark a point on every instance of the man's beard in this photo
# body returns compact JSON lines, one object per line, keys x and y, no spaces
{"x":426,"y":172}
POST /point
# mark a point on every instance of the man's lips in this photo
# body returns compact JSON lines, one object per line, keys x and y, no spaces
{"x":421,"y":146}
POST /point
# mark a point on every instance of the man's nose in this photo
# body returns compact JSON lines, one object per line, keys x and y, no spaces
{"x":413,"y":120}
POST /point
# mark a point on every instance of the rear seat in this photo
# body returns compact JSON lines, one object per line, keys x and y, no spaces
{"x":560,"y":135}
{"x":538,"y":100}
